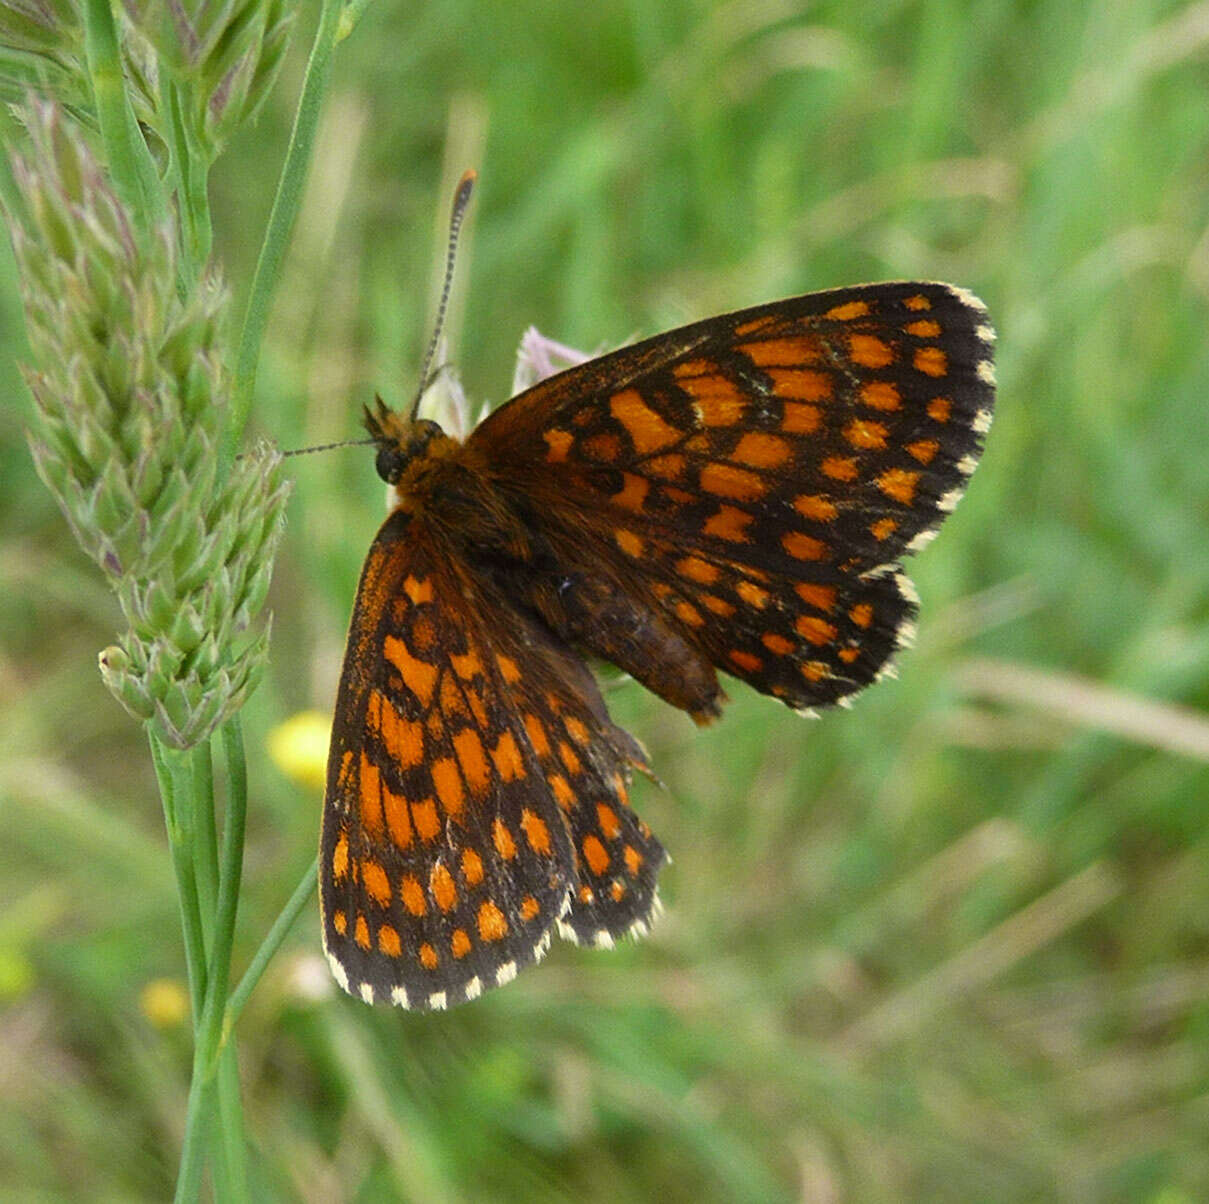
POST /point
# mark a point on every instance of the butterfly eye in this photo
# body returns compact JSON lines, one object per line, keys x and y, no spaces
{"x":390,"y":463}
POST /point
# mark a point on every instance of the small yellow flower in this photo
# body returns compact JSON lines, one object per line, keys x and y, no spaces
{"x":298,"y":747}
{"x":165,"y":1002}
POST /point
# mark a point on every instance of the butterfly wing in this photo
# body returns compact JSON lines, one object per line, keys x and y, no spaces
{"x":476,"y":788}
{"x":748,"y":484}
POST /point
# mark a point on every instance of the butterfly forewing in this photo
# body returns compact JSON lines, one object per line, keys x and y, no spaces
{"x":755,"y":478}
{"x":476,"y":790}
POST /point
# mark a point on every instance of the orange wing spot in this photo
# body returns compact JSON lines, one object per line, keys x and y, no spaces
{"x":848,"y":655}
{"x":610,"y":825}
{"x":412,"y":894}
{"x":604,"y":447}
{"x":918,"y":302}
{"x":452,"y":701}
{"x":752,"y":594}
{"x":377,"y":884}
{"x":781,"y":353}
{"x":398,"y":821}
{"x":680,"y":496}
{"x":728,"y":481}
{"x":647,"y":430}
{"x":803,"y":547}
{"x":436,"y":728}
{"x":861,"y":614}
{"x":667,"y":468}
{"x":472,"y":757}
{"x":720,"y":606}
{"x":466,"y":667}
{"x":388,"y":941}
{"x":346,"y":764}
{"x":840,"y":468}
{"x":777,"y":643}
{"x":801,"y":384}
{"x":459,"y":943}
{"x":370,"y":797}
{"x":428,"y":956}
{"x":931,"y":361}
{"x":562,"y":790}
{"x":577,"y":730}
{"x":848,"y":311}
{"x":509,"y":669}
{"x":924,"y":328}
{"x":898,"y":484}
{"x":799,"y":418}
{"x":586,"y":895}
{"x":537,"y":735}
{"x":536,"y":832}
{"x":869,"y":351}
{"x":595,"y":855}
{"x":746,"y":328}
{"x":441,"y":884}
{"x":403,"y":739}
{"x":558,"y":443}
{"x":716,"y":401}
{"x":472,"y":867}
{"x":883,"y":528}
{"x":813,"y":506}
{"x":418,"y":591}
{"x":729,"y":523}
{"x":881,"y":395}
{"x":617,"y":890}
{"x":633,"y":859}
{"x":509,"y":763}
{"x":419,"y":676}
{"x":694,"y":368}
{"x":814,"y":671}
{"x":569,"y":757}
{"x":633,"y":493}
{"x":759,"y":450}
{"x":628,"y":542}
{"x":869,"y":436}
{"x":661,"y":590}
{"x":361,"y":932}
{"x":822,"y":597}
{"x":529,"y":907}
{"x":424,"y":816}
{"x":689,"y":615}
{"x":814,"y":630}
{"x":696,"y":569}
{"x":923,"y":450}
{"x":340,"y":859}
{"x":492,"y":924}
{"x":939,"y":409}
{"x":448,"y":781}
{"x":745,"y":660}
{"x":340,"y":922}
{"x":505,"y":845}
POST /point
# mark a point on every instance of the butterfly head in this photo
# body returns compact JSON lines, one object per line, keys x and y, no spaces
{"x":401,"y":440}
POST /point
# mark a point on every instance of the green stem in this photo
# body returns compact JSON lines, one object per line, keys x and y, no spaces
{"x":179,"y":843}
{"x":268,"y":947}
{"x":130,"y":163}
{"x":205,"y":845}
{"x":281,"y":221}
{"x":209,"y":1030}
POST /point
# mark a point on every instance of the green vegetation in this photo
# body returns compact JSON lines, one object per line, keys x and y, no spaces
{"x":952,"y":945}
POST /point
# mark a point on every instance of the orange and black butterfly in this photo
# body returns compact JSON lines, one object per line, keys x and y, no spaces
{"x":735,"y":495}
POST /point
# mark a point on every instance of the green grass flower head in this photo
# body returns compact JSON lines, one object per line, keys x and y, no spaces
{"x":130,"y":383}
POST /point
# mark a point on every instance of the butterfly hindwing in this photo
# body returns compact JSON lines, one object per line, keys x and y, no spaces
{"x":752,"y":481}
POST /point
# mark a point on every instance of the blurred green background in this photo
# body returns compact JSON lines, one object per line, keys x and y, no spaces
{"x":951,"y":945}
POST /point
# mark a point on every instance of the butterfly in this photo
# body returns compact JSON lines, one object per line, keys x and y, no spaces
{"x":735,"y":496}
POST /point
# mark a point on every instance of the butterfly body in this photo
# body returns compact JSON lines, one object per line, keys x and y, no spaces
{"x":733,"y":496}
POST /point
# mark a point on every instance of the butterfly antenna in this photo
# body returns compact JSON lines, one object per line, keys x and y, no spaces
{"x":461,"y":198}
{"x":302,"y":451}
